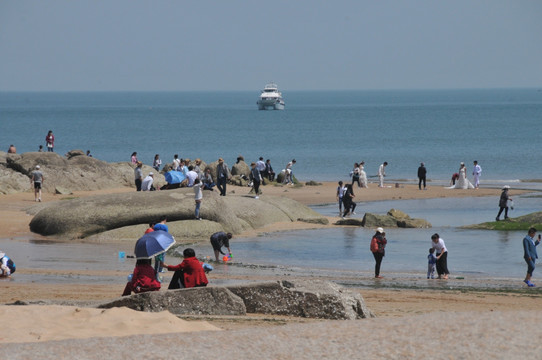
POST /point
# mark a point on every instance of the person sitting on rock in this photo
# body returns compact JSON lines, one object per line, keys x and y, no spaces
{"x":207,"y":180}
{"x":12,"y":149}
{"x":143,"y":279}
{"x":189,"y":273}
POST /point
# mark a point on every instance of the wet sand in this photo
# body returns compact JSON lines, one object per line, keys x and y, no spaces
{"x":478,"y":310}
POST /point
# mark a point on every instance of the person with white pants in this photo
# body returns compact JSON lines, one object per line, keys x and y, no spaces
{"x":381,"y":174}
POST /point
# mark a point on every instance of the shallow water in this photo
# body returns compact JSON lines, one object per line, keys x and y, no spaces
{"x":341,"y":251}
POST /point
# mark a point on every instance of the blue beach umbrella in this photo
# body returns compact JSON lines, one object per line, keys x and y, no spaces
{"x":152,"y":244}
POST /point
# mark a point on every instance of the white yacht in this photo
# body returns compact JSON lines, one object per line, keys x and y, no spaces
{"x":270,"y":98}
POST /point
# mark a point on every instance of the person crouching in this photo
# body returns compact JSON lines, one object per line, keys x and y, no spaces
{"x":143,"y":279}
{"x":189,"y":273}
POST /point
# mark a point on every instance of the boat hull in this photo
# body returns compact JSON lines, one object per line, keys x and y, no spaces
{"x":270,"y":105}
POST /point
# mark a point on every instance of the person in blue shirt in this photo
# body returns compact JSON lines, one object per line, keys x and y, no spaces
{"x":159,"y":259}
{"x":529,"y":254}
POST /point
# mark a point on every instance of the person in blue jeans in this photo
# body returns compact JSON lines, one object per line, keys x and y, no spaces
{"x":529,"y":254}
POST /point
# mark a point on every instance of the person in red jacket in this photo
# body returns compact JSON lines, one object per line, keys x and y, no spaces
{"x":143,"y":279}
{"x":189,"y":273}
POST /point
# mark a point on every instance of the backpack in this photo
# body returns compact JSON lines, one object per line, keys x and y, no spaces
{"x":374,"y":245}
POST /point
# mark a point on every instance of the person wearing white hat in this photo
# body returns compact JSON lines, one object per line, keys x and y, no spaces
{"x":378,"y":245}
{"x":37,"y":181}
{"x":147,"y":184}
{"x":503,"y":203}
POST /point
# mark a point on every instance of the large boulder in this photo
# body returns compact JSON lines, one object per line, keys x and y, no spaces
{"x":398,"y":214}
{"x":13,"y":181}
{"x":311,"y":299}
{"x":78,"y":172}
{"x":414,"y":224}
{"x":373,"y":221}
{"x":82,"y":217}
{"x":240,"y":168}
{"x":193,"y":301}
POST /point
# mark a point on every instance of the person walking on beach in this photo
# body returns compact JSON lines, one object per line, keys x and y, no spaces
{"x":503,"y":203}
{"x":431,"y":263}
{"x":256,"y":178}
{"x":156,"y":163}
{"x":362,"y":175}
{"x":218,"y":240}
{"x":476,"y":172}
{"x":198,"y":196}
{"x":138,"y":175}
{"x":378,"y":248}
{"x":529,"y":254}
{"x":341,"y":189}
{"x":422,"y":172}
{"x":222,"y":176}
{"x":37,"y":181}
{"x":442,"y":256}
{"x":382,"y":174}
{"x":50,"y":141}
{"x":133,"y":158}
{"x":348,"y":201}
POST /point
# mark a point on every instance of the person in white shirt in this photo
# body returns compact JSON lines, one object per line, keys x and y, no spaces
{"x":341,"y":189}
{"x":260,"y":165}
{"x":476,"y":172}
{"x":191,"y":176}
{"x":442,"y":256}
{"x":198,"y":196}
{"x":147,"y":184}
{"x":288,"y":175}
{"x":176,"y":162}
{"x":381,"y":174}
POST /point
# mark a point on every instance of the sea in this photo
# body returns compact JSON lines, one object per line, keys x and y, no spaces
{"x":325,"y":131}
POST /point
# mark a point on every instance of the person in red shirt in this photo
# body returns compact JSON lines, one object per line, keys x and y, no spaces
{"x":143,"y":279}
{"x":189,"y":273}
{"x":150,"y":228}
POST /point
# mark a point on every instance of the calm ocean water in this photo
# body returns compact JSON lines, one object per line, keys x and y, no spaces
{"x":326,"y":131}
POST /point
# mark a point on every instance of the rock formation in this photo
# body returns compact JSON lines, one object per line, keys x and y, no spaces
{"x":310,"y":299}
{"x":82,"y":217}
{"x":394,"y":218}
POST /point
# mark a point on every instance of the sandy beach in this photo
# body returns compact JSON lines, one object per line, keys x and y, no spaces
{"x":405,"y":316}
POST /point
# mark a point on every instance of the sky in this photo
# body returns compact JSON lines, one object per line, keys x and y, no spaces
{"x":134,"y":45}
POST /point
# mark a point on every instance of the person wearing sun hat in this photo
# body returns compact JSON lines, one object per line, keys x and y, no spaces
{"x":503,"y":203}
{"x":378,"y":246}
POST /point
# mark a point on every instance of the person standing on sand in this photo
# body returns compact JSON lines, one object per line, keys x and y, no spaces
{"x":198,"y":196}
{"x":382,"y":174}
{"x":529,"y":254}
{"x":362,"y":175}
{"x":218,"y":240}
{"x":422,"y":172}
{"x":37,"y":181}
{"x":341,"y":189}
{"x":256,"y":178}
{"x":50,"y":141}
{"x":476,"y":172}
{"x":138,"y":175}
{"x":503,"y":203}
{"x":431,"y":263}
{"x":348,"y":201}
{"x":355,"y":175}
{"x":442,"y":256}
{"x":378,"y":248}
{"x":222,"y":176}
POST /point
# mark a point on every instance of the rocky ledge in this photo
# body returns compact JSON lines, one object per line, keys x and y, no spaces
{"x":310,"y":299}
{"x":394,"y":218}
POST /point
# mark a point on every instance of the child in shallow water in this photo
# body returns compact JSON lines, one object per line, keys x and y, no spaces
{"x":431,"y":264}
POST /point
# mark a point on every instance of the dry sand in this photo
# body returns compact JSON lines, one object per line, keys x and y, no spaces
{"x":410,"y":324}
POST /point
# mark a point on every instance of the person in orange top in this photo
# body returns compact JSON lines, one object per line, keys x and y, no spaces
{"x":189,"y":273}
{"x":143,"y":279}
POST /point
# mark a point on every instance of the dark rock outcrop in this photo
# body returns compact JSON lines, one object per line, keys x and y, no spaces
{"x":394,"y":218}
{"x":193,"y":301}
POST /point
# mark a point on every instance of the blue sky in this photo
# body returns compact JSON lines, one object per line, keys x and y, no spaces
{"x":61,"y":45}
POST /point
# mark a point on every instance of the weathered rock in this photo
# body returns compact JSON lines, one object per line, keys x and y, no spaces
{"x":62,"y":191}
{"x":240,"y":168}
{"x":312,"y":299}
{"x":193,"y":301}
{"x":355,"y":222}
{"x":13,"y":181}
{"x":77,"y":172}
{"x":524,"y":222}
{"x":238,"y":180}
{"x":73,"y":153}
{"x":82,"y":217}
{"x":398,"y":214}
{"x":374,"y":221}
{"x":414,"y":223}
